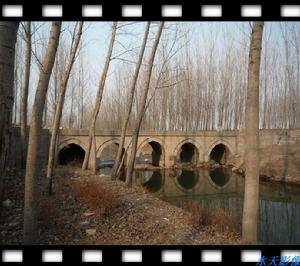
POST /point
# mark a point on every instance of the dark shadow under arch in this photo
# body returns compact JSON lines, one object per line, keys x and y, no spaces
{"x":71,"y":154}
{"x":151,"y":155}
{"x":220,"y":154}
{"x":188,"y":153}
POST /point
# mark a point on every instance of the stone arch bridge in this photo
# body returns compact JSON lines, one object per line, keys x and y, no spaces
{"x":166,"y":149}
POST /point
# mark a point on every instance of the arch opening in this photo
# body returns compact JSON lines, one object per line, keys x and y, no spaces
{"x":188,"y":153}
{"x":71,"y":154}
{"x":107,"y":156}
{"x":220,"y":154}
{"x":151,"y":153}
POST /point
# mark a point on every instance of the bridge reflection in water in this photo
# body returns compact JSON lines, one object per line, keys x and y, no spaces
{"x":279,"y":203}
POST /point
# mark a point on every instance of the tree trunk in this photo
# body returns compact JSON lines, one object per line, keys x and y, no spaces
{"x":59,"y":107}
{"x":142,"y":104}
{"x":99,"y":98}
{"x":8,"y":37}
{"x":16,"y":81}
{"x":29,"y":230}
{"x":251,"y":197}
{"x":45,"y":122}
{"x":131,"y":97}
{"x":25,"y":85}
{"x":71,"y":122}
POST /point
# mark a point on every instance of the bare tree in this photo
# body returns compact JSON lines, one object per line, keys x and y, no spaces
{"x":18,"y":71}
{"x":29,"y":230}
{"x":99,"y":99}
{"x":251,"y":197}
{"x":214,"y":92}
{"x":25,"y":85}
{"x":142,"y":105}
{"x":59,"y":105}
{"x":131,"y":97}
{"x":8,"y":37}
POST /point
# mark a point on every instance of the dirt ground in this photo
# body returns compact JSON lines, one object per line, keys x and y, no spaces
{"x":93,"y":209}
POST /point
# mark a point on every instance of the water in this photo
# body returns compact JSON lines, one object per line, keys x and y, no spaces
{"x":105,"y":164}
{"x":279,"y":221}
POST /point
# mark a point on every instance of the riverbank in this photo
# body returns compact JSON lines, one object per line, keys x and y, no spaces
{"x":89,"y":209}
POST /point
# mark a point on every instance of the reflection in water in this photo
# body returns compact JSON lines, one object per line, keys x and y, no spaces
{"x":279,"y":204}
{"x":187,"y":179}
{"x":151,"y":180}
{"x":106,"y":168}
{"x":220,"y":176}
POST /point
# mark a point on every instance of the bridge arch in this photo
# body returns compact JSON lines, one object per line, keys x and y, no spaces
{"x":70,"y":151}
{"x":106,"y":144}
{"x":157,"y":153}
{"x":107,"y":152}
{"x":221,"y":152}
{"x":186,"y":151}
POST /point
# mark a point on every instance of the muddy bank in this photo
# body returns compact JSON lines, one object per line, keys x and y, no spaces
{"x":89,"y":209}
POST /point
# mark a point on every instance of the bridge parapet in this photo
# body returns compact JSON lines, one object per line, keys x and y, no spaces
{"x":172,"y":141}
{"x":190,"y":134}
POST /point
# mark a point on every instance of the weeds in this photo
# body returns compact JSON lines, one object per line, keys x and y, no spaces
{"x":220,"y":218}
{"x":96,"y":197}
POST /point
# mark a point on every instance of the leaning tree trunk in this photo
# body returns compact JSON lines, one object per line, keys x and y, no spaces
{"x":30,"y":202}
{"x":251,"y":197}
{"x":131,"y":97}
{"x":142,"y":105}
{"x":99,"y":99}
{"x":25,"y":85}
{"x":59,"y":106}
{"x":8,"y":37}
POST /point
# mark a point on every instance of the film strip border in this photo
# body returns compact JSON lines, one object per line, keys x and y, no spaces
{"x":114,"y":255}
{"x":149,"y":10}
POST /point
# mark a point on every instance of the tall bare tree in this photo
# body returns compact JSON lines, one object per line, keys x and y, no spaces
{"x":29,"y":230}
{"x":251,"y":197}
{"x":60,"y":104}
{"x":142,"y":105}
{"x":131,"y":97}
{"x":8,"y":37}
{"x":99,"y":98}
{"x":25,"y":85}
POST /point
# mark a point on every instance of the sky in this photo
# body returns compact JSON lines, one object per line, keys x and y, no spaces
{"x":96,"y":35}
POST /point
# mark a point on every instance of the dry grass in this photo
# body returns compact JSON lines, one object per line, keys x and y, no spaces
{"x":220,"y":219}
{"x":96,"y":197}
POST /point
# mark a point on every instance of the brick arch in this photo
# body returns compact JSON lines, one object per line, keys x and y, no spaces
{"x":199,"y":149}
{"x":153,"y":139}
{"x":217,"y":142}
{"x":66,"y":142}
{"x":105,"y":144}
